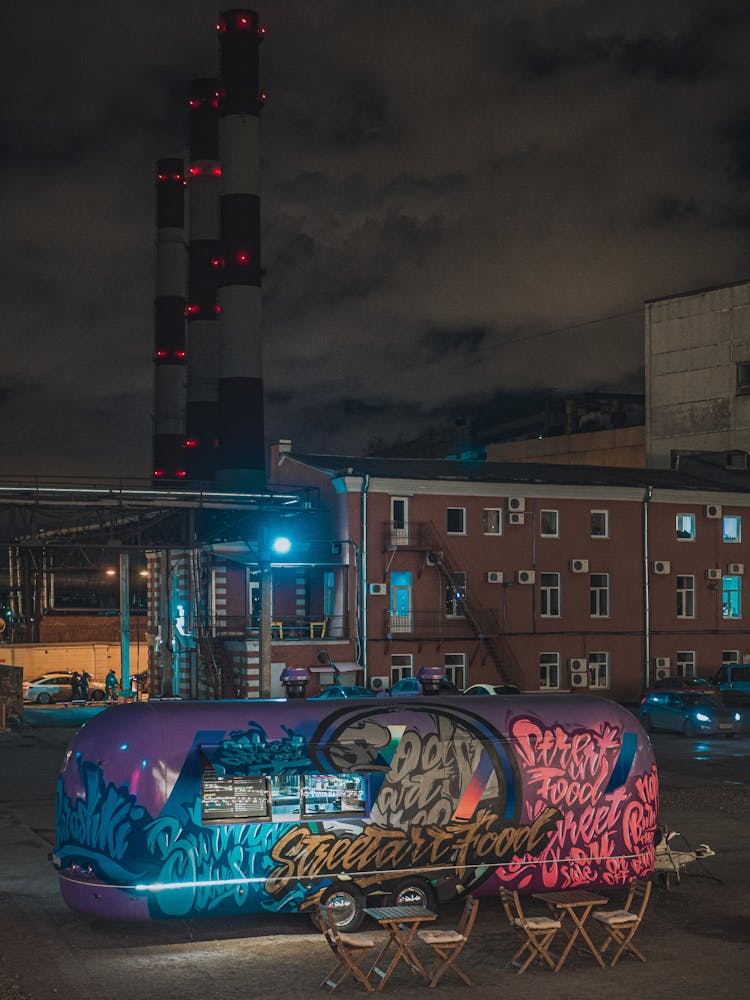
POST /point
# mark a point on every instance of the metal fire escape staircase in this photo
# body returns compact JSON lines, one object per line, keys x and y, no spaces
{"x":483,"y":620}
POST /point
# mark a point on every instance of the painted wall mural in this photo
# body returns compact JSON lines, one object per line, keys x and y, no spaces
{"x":532,"y":793}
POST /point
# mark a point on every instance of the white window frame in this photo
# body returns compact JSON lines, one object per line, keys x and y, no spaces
{"x":549,"y":534}
{"x":548,"y":591}
{"x":402,"y":666}
{"x":681,"y":519}
{"x":549,"y":671}
{"x":605,"y":515}
{"x":498,"y":511}
{"x":738,"y":589}
{"x":686,"y":596}
{"x":599,"y":670}
{"x":686,"y":663}
{"x":599,"y":602}
{"x":454,"y":665}
{"x":454,"y":607}
{"x":462,"y":511}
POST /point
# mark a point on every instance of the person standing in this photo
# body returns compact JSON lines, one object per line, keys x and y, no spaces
{"x":75,"y":686}
{"x":110,"y":683}
{"x":85,"y":678}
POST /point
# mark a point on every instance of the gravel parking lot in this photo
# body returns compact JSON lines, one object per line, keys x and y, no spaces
{"x":696,"y":936}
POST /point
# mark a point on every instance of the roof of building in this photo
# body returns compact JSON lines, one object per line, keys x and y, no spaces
{"x":524,"y":473}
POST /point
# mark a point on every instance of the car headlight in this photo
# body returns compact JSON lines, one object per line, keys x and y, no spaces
{"x":737,"y":717}
{"x":702,"y":717}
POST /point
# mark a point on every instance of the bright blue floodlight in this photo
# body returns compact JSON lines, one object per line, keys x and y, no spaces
{"x":281,"y":545}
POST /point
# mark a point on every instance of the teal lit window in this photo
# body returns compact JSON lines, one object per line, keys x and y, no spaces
{"x":685,"y":524}
{"x":731,"y":528}
{"x":731,"y":596}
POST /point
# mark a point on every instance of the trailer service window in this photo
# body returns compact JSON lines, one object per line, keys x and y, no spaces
{"x":280,"y":797}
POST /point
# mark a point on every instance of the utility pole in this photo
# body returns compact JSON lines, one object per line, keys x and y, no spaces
{"x":125,"y":621}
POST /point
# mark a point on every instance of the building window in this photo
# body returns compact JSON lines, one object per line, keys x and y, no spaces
{"x":329,"y":593}
{"x":731,"y":528}
{"x":549,"y":670}
{"x":685,"y":525}
{"x":686,"y":663}
{"x":743,"y":378}
{"x":456,"y":522}
{"x":401,"y":666}
{"x":731,"y":597}
{"x":730,"y":656}
{"x":600,"y":595}
{"x":549,"y":523}
{"x":492,"y":520}
{"x":686,"y":597}
{"x":455,"y":669}
{"x":600,"y":524}
{"x":455,"y":593}
{"x":599,"y":670}
{"x":549,"y":599}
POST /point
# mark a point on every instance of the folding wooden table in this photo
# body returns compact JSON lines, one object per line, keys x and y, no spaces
{"x":402,"y":923}
{"x":576,"y":904}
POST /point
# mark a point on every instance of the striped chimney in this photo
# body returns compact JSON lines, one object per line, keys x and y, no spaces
{"x":204,"y":271}
{"x":169,"y":323}
{"x":241,"y":425}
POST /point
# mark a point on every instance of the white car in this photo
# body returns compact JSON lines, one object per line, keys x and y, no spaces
{"x":491,"y":689}
{"x":56,"y":686}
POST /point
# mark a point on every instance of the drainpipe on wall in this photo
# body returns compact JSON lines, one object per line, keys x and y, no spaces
{"x":646,"y":597}
{"x":363,"y":578}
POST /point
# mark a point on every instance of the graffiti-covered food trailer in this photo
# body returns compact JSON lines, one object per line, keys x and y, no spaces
{"x":182,"y":809}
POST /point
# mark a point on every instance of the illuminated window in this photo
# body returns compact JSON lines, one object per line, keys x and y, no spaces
{"x":731,"y":528}
{"x":455,"y":593}
{"x":731,"y":597}
{"x":685,"y":525}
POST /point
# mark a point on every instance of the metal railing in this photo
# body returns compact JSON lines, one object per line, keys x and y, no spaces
{"x":284,"y":628}
{"x":433,"y":625}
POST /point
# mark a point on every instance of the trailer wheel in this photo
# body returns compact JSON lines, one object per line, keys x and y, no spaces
{"x":414,"y":892}
{"x":347,"y":902}
{"x":646,"y":723}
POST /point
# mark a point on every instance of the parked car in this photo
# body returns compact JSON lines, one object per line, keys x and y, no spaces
{"x":56,"y":686}
{"x":693,"y":713}
{"x":684,"y":684}
{"x":412,"y":685}
{"x":492,"y":689}
{"x":345,"y":691}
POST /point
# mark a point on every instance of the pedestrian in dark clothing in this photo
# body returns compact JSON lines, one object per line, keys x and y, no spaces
{"x":75,"y":686}
{"x":85,"y":678}
{"x":111,"y":685}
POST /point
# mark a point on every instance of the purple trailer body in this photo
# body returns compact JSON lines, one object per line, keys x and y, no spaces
{"x":182,"y":809}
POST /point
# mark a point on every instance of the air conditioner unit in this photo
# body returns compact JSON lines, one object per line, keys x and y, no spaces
{"x":494,"y":576}
{"x":516,"y":518}
{"x":712,"y":510}
{"x":662,"y":667}
{"x":525,"y":576}
{"x":516,"y":503}
{"x":433,"y":558}
{"x":713,"y":574}
{"x":660,"y":566}
{"x":579,"y":673}
{"x":579,"y":565}
{"x":378,"y":589}
{"x":736,"y":569}
{"x":379,"y":683}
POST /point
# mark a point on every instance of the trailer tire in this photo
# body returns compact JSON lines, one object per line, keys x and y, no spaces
{"x":413,"y":892}
{"x":347,"y":901}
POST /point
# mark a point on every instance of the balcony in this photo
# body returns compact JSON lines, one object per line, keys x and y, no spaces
{"x":437,"y":626}
{"x":284,"y":628}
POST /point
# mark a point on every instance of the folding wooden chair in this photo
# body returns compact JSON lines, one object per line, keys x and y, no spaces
{"x":536,"y":933}
{"x":621,"y":925}
{"x":350,"y":950}
{"x":448,"y":944}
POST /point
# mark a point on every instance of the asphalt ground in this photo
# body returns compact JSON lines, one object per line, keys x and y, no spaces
{"x":696,"y":936}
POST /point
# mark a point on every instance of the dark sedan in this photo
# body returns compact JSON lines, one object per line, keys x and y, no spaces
{"x":688,"y":712}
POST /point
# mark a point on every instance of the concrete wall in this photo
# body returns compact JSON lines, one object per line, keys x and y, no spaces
{"x":693,"y":344}
{"x":97,"y":657}
{"x":621,"y":447}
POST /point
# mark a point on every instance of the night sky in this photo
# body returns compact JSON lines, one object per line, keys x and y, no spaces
{"x":463,"y":204}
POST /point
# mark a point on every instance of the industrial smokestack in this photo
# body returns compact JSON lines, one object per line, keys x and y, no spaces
{"x":169,"y":323}
{"x":205,"y":261}
{"x":241,"y":424}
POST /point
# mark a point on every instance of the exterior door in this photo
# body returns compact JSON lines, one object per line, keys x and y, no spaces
{"x":399,"y":520}
{"x":401,"y":607}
